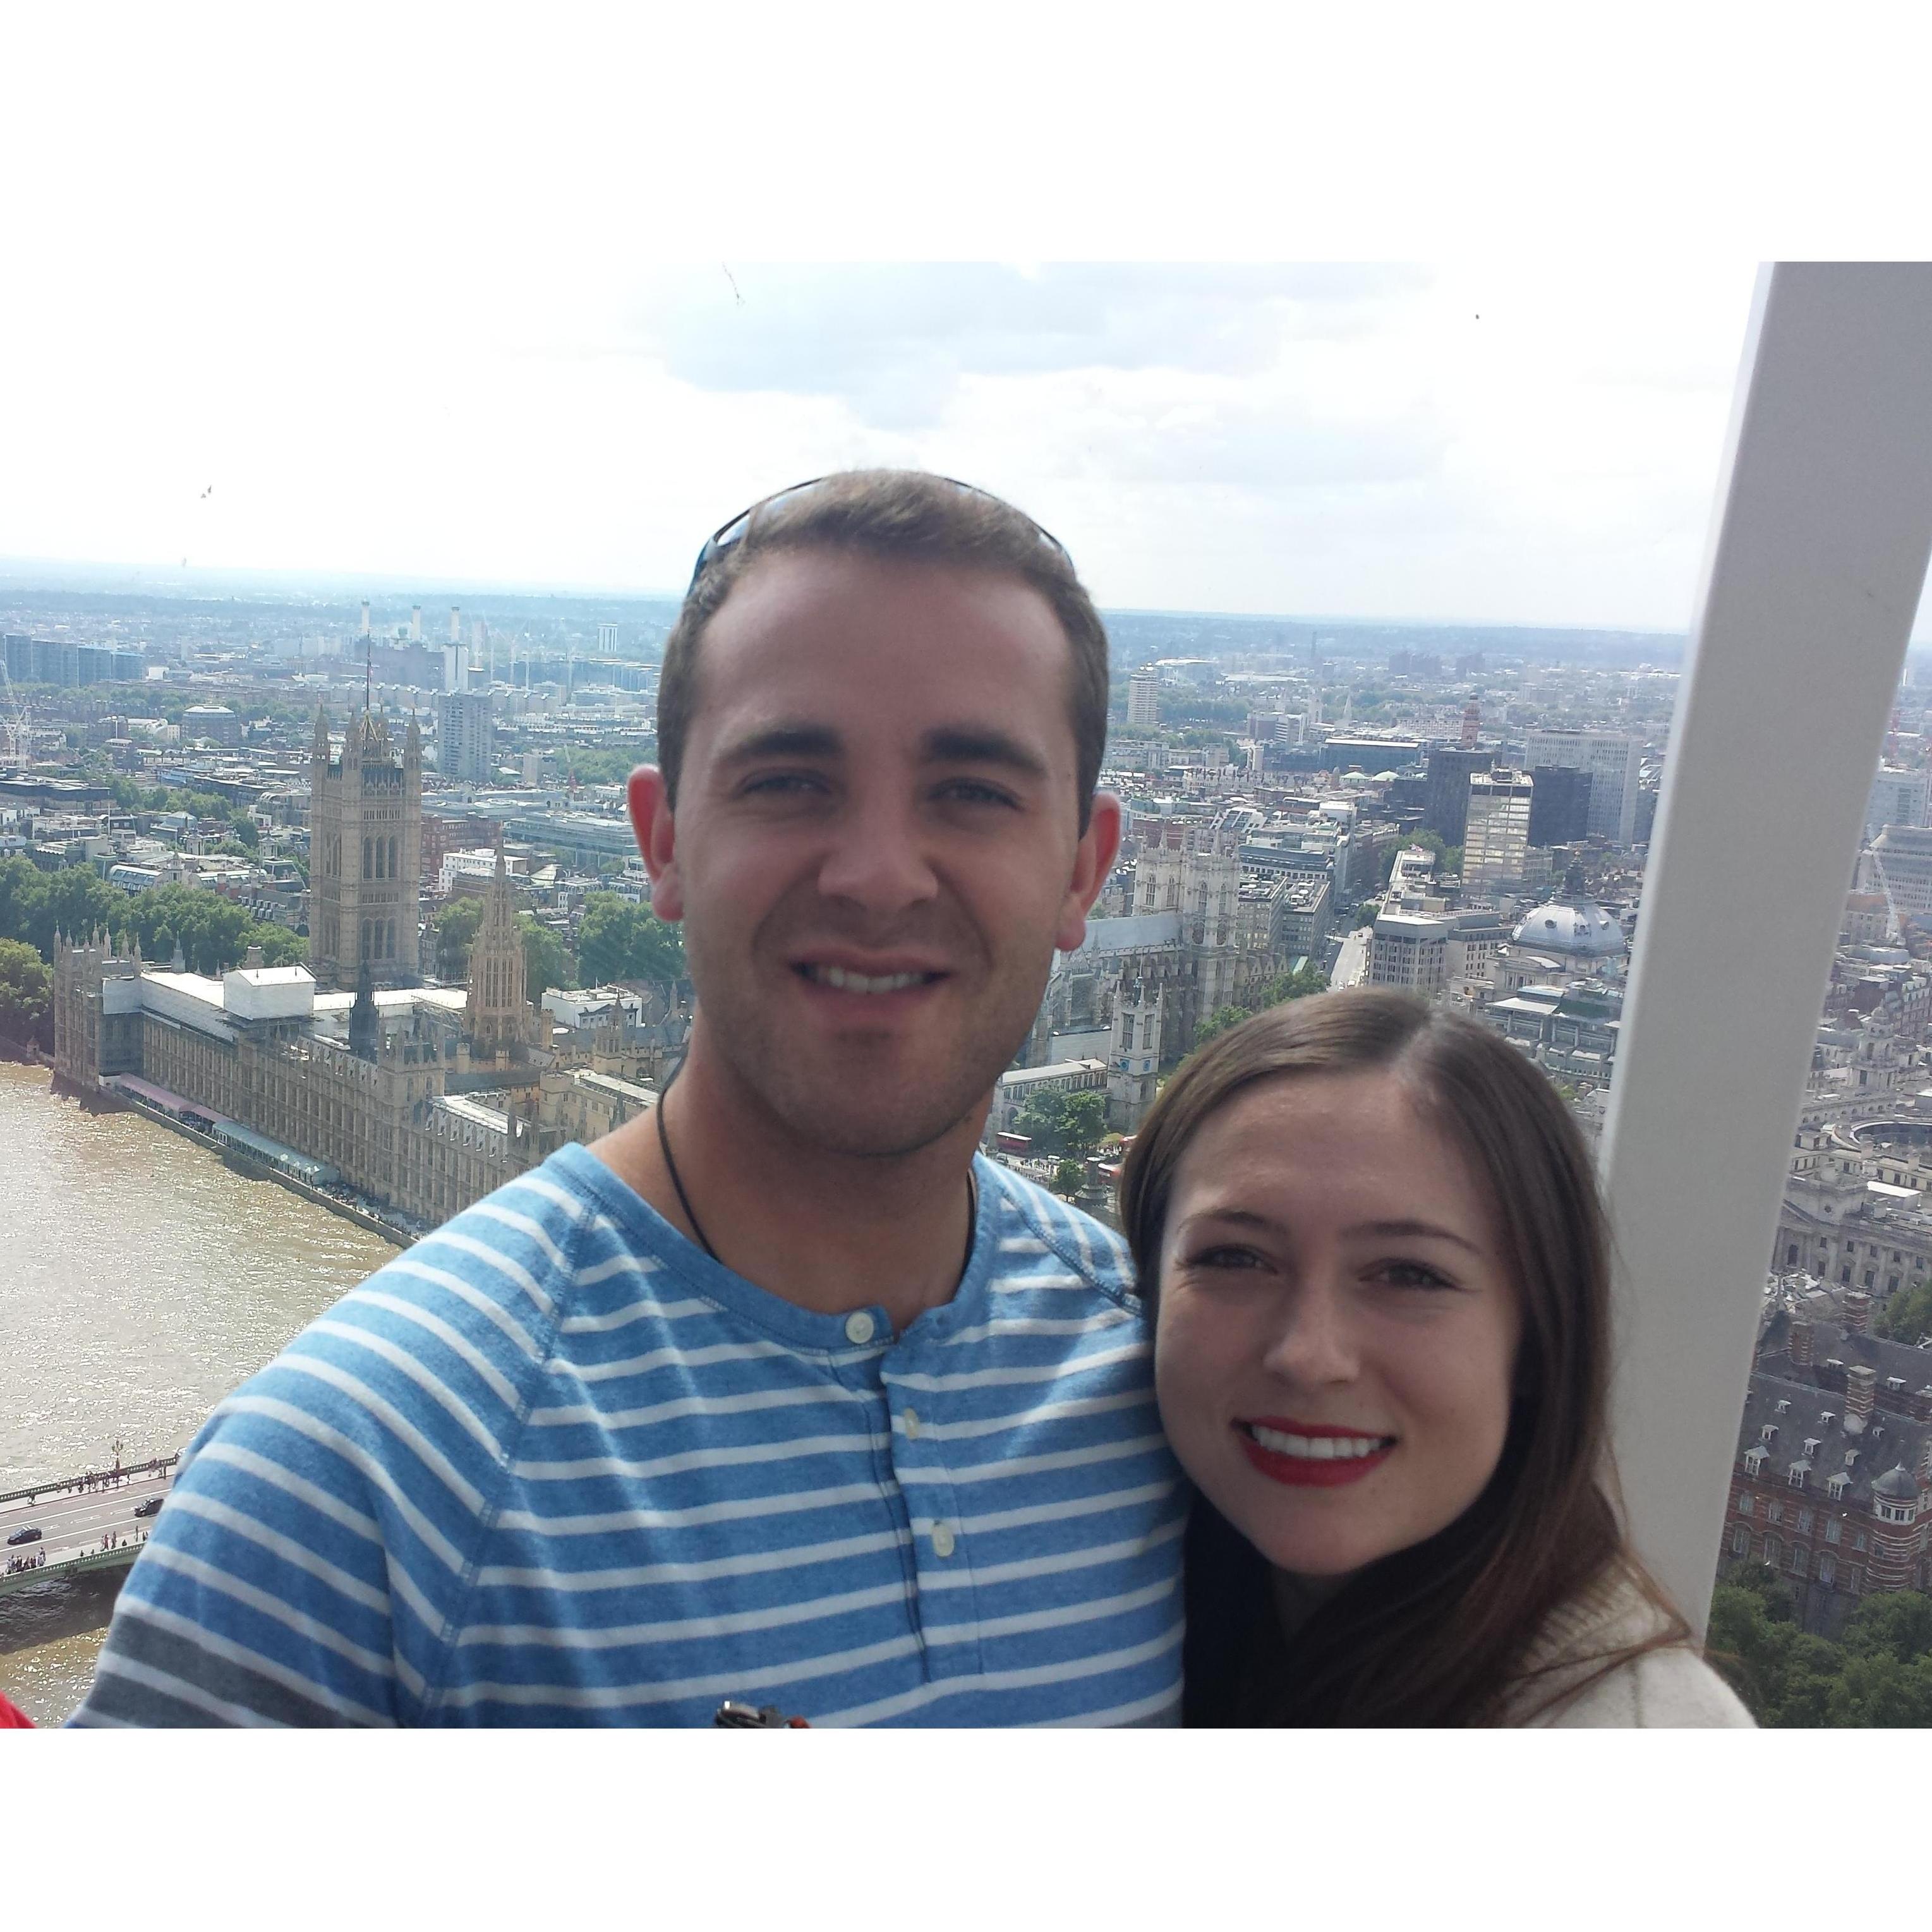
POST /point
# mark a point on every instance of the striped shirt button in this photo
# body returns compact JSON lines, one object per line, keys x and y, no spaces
{"x":859,"y":1327}
{"x":910,"y":1419}
{"x":942,"y":1540}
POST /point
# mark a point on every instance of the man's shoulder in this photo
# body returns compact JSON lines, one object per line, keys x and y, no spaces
{"x":464,"y":1320}
{"x":1044,"y":1235}
{"x":522,"y":1245}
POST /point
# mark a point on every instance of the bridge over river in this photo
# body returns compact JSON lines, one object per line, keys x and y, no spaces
{"x":86,"y":1522}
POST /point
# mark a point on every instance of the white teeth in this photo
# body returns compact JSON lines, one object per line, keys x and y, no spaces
{"x":1316,"y":1448}
{"x":861,"y":982}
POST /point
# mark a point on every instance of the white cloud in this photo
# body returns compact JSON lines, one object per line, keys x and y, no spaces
{"x":396,"y":296}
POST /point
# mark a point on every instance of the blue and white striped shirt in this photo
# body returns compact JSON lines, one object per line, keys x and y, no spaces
{"x":553,"y":1464}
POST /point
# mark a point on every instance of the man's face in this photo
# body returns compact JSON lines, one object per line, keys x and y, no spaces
{"x":876,"y":848}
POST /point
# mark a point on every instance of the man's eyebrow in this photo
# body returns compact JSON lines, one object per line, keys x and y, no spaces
{"x":965,"y":744}
{"x":785,"y":741}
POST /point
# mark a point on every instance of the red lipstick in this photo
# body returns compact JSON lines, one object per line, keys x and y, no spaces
{"x":1320,"y":1472}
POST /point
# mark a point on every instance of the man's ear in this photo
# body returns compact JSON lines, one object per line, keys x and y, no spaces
{"x":651,"y":821}
{"x":1092,"y":860}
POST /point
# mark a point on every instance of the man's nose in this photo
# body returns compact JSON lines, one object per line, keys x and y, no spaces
{"x":1315,"y":1342}
{"x":877,"y":858}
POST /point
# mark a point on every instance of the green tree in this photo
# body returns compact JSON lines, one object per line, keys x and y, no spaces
{"x":26,"y":994}
{"x":279,"y":947}
{"x":455,"y":926}
{"x":618,"y":941}
{"x":1908,"y":1315}
{"x":1880,"y":1674}
{"x":1297,"y":985}
{"x":213,"y":933}
{"x":1042,"y":1119}
{"x":1876,"y":1691}
{"x":1219,"y":1022}
{"x":546,"y":959}
{"x":610,"y":764}
{"x":1083,"y":1121}
{"x":1069,"y":1178}
{"x":22,"y":886}
{"x":1897,"y":1623}
{"x":75,"y":901}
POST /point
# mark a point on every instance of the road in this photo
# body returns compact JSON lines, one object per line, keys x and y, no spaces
{"x":1351,"y":963}
{"x":77,"y":1521}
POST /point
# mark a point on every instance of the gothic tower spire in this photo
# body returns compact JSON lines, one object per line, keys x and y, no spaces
{"x":499,"y":1017}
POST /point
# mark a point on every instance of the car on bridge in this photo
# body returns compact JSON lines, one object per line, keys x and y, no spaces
{"x":23,"y":1536}
{"x":152,"y":1507}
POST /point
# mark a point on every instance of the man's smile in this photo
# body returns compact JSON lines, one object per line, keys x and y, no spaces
{"x":842,"y":979}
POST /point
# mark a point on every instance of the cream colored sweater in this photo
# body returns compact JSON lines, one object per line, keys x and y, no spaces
{"x":1671,"y":1688}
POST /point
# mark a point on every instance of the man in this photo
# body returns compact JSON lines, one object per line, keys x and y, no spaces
{"x":778,"y":1394}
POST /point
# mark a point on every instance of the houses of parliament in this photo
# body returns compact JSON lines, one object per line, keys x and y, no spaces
{"x":348,"y":1074}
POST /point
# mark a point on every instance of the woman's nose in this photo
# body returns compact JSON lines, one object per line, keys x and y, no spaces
{"x":1315,"y":1342}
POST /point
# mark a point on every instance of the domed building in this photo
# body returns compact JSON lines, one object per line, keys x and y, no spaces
{"x":1897,"y":1489}
{"x":1573,"y":928}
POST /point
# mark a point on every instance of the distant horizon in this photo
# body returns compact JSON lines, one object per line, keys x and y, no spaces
{"x":171,"y":583}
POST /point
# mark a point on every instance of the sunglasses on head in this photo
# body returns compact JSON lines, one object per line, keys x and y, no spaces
{"x":726,"y":534}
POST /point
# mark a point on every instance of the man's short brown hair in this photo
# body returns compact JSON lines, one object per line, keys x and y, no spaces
{"x":895,"y":513}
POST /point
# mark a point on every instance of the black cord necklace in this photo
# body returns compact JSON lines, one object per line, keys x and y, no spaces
{"x":704,"y":1239}
{"x":683,"y":1199}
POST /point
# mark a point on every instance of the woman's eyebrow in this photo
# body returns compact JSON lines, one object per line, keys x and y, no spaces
{"x":1427,"y":1230}
{"x":1240,"y":1217}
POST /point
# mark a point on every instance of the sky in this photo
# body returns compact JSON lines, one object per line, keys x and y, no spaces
{"x":457,"y":308}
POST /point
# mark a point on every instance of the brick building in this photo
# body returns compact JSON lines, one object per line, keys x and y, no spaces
{"x":1833,"y":1483}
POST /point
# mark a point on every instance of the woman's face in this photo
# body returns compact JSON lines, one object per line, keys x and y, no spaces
{"x":1337,"y":1332}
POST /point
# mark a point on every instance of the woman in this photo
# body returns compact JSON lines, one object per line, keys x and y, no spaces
{"x":1381,"y":1283}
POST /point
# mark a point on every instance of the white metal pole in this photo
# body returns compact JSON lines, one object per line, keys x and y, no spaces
{"x":1816,"y":559}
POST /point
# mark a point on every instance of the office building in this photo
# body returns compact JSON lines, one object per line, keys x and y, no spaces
{"x":1410,"y":951}
{"x":1612,"y":758}
{"x":1450,"y":768}
{"x":214,"y":722}
{"x":1143,"y":698}
{"x":466,"y":736}
{"x":1559,"y":809}
{"x":1497,"y":836}
{"x":1898,"y":864}
{"x":1897,"y":798}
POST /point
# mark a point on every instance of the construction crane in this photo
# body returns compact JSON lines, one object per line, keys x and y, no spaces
{"x":20,"y":722}
{"x":1893,"y":925}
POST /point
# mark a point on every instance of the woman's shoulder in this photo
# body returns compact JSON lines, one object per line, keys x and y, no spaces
{"x":1599,"y":1664}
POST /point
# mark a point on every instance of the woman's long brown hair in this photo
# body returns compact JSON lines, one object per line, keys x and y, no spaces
{"x":1439,"y":1633}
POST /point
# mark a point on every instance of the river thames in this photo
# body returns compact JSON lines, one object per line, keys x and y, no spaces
{"x":140,"y":1279}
